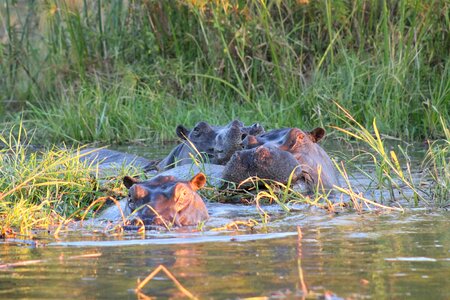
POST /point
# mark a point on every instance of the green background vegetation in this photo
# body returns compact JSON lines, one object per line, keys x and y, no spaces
{"x":118,"y":70}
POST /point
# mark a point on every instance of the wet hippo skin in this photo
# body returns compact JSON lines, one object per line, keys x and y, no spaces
{"x":207,"y":143}
{"x":165,"y":200}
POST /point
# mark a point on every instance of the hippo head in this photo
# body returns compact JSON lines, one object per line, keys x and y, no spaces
{"x":201,"y":137}
{"x":253,"y":129}
{"x":266,"y":162}
{"x":166,"y":200}
{"x":317,"y":166}
{"x":230,"y":138}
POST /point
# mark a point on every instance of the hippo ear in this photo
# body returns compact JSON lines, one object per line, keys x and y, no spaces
{"x":317,"y":134}
{"x":292,"y":140}
{"x":139,"y":192}
{"x":198,"y":181}
{"x":182,"y":132}
{"x":129,"y":181}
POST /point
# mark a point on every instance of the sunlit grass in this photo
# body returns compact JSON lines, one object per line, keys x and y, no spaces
{"x":393,"y":168}
{"x":42,"y":189}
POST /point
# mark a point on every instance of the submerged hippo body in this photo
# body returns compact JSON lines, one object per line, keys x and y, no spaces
{"x":166,"y":200}
{"x":317,"y":167}
{"x":112,"y":160}
{"x":212,"y":144}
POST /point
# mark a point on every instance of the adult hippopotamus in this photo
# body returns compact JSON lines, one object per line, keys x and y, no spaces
{"x":165,"y":200}
{"x":213,"y":144}
{"x":265,"y":162}
{"x":229,"y":139}
{"x":316,"y":165}
{"x":111,"y":160}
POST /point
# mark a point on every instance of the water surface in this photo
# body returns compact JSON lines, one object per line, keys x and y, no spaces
{"x":388,"y":256}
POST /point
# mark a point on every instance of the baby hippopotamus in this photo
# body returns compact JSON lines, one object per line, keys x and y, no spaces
{"x":165,"y":200}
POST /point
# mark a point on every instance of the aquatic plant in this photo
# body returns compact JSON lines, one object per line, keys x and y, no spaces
{"x":437,"y":168}
{"x":44,"y":188}
{"x":393,"y":169}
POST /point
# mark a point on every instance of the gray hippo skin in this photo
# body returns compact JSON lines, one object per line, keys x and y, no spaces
{"x":215,"y":144}
{"x":303,"y":146}
{"x":165,"y":200}
{"x":110,"y":160}
{"x":199,"y":140}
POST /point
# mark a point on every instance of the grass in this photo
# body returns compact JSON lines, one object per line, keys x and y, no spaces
{"x":119,"y":71}
{"x":45,"y":188}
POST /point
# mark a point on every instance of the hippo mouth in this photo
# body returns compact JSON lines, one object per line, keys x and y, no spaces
{"x":144,"y":213}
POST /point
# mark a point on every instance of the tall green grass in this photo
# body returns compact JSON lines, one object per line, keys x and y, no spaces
{"x":277,"y":62}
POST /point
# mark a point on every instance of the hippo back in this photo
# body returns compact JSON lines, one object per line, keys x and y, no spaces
{"x":111,"y":160}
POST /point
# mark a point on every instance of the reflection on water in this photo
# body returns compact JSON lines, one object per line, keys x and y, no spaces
{"x":376,"y":256}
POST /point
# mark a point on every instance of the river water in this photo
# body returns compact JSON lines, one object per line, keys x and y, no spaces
{"x":343,"y":255}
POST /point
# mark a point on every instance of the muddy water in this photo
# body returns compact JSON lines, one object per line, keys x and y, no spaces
{"x":374,"y":255}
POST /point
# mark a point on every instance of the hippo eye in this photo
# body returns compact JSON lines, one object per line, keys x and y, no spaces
{"x":196,"y":131}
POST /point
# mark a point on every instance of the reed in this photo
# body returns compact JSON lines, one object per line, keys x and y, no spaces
{"x":437,"y":169}
{"x":393,"y":170}
{"x":280,"y":62}
{"x":43,"y":188}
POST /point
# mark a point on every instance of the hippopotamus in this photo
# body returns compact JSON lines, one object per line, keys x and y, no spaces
{"x":166,"y":200}
{"x":229,"y":139}
{"x":314,"y":161}
{"x":213,"y":144}
{"x":110,"y":159}
{"x":265,"y":162}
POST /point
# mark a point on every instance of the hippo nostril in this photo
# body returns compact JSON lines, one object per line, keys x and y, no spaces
{"x":243,"y":136}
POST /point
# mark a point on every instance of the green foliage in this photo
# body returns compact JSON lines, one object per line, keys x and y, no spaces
{"x":149,"y":65}
{"x":437,"y":166}
{"x":41,"y":188}
{"x":393,"y":168}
